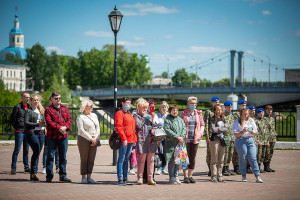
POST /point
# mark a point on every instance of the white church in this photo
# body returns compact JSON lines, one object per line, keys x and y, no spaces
{"x":14,"y":75}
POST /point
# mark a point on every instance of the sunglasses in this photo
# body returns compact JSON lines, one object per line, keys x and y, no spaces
{"x":57,"y":98}
{"x":91,"y":106}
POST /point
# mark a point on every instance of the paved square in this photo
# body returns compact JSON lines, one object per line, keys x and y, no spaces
{"x":283,"y":184}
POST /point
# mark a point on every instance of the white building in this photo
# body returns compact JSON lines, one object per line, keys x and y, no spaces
{"x":13,"y":75}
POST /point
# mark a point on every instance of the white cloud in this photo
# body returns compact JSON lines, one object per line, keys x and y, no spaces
{"x":145,"y":9}
{"x":250,"y":52}
{"x":201,"y":49}
{"x":261,"y":21}
{"x":298,"y":33}
{"x":166,"y":58}
{"x":54,"y":48}
{"x":135,"y":44}
{"x":266,"y":12}
{"x":253,"y":43}
{"x":250,"y":22}
{"x":168,"y":36}
{"x":98,"y":34}
{"x":138,"y":38}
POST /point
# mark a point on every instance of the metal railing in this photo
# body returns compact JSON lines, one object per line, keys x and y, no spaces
{"x":285,"y":121}
{"x":105,"y":117}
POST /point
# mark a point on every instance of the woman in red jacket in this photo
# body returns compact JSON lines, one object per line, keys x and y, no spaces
{"x":125,"y":126}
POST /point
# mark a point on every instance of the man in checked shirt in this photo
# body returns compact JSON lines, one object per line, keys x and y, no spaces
{"x":58,"y":123}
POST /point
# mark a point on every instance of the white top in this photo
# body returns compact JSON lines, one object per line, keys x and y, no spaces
{"x":250,"y":124}
{"x":40,"y":117}
{"x":88,"y":128}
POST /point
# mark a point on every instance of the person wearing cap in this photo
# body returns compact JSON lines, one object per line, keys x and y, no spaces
{"x":244,"y":129}
{"x":252,"y":111}
{"x":261,"y":138}
{"x":235,"y":158}
{"x":229,"y":118}
{"x":272,"y":137}
{"x":208,"y":115}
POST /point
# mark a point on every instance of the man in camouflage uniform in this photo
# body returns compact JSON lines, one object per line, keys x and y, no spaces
{"x":229,"y":119}
{"x":261,"y":138}
{"x":208,"y":115}
{"x":235,"y":156}
{"x":271,"y":132}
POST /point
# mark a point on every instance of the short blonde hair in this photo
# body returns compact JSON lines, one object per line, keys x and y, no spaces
{"x":84,"y":103}
{"x":163,"y":103}
{"x":141,"y":102}
{"x":191,"y":99}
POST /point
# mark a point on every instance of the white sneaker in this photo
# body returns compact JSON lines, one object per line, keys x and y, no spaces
{"x":173,"y":181}
{"x":177,"y":180}
{"x":132,"y":172}
{"x":44,"y":170}
{"x":244,"y":179}
{"x":165,"y":172}
{"x":158,"y":172}
{"x":259,"y":180}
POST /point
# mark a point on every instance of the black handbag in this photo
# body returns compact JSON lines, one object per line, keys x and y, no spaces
{"x":115,"y":141}
{"x":159,"y":160}
{"x":224,"y":142}
{"x":158,"y":133}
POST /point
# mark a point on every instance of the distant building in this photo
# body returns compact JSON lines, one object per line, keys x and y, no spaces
{"x":160,"y":81}
{"x":292,"y":75}
{"x":13,"y":75}
{"x":16,"y":42}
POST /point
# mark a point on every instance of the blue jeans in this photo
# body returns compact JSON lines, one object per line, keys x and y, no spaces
{"x":122,"y":165}
{"x":36,"y":142}
{"x":62,"y":146}
{"x":173,"y":168}
{"x":19,"y":139}
{"x":246,"y":149}
{"x":45,"y":156}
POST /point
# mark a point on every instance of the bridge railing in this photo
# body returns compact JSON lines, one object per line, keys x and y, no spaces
{"x":285,"y":121}
{"x":193,"y":85}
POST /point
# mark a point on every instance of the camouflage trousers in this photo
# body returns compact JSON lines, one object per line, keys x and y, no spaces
{"x":262,"y":154}
{"x":235,"y":158}
{"x":228,"y":154}
{"x":270,"y":152}
{"x":207,"y":155}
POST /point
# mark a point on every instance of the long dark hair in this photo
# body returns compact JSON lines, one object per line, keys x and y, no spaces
{"x":241,"y":122}
{"x":222,"y":113}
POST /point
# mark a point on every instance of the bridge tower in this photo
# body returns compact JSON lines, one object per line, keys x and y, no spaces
{"x":240,"y":67}
{"x":232,"y":81}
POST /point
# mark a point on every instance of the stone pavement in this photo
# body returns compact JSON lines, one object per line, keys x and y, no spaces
{"x":283,"y":184}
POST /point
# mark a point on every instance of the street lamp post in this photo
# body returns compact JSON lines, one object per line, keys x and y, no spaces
{"x":115,"y":19}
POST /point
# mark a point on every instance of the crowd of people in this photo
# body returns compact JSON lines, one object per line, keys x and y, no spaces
{"x":243,"y":138}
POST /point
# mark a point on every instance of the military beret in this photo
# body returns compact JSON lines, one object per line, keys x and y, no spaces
{"x":251,"y":107}
{"x":228,"y":103}
{"x":260,"y":110}
{"x":214,"y":98}
{"x":242,"y":102}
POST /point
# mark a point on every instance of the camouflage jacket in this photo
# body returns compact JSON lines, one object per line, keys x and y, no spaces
{"x":236,"y":115}
{"x":229,"y":118}
{"x":207,"y":117}
{"x":261,"y":130}
{"x":271,"y":132}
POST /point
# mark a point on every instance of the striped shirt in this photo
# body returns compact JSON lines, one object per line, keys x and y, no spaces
{"x":192,"y":127}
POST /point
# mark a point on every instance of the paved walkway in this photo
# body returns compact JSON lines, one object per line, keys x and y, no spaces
{"x":283,"y":184}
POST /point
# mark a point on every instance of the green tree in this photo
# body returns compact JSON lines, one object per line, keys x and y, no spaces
{"x":181,"y":77}
{"x":165,"y":74}
{"x":36,"y":62}
{"x":223,"y":82}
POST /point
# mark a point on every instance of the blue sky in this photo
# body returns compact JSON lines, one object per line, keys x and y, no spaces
{"x":175,"y":33}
